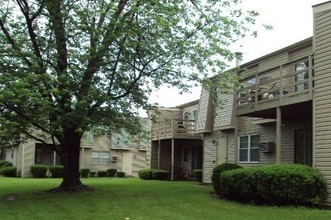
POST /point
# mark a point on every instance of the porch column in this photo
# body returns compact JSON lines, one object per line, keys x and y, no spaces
{"x":172,"y":157}
{"x":278,"y":134}
{"x":54,"y":157}
{"x":82,"y":157}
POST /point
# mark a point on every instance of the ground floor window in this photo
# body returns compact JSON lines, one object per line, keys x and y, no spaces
{"x":100,"y":158}
{"x":185,"y":154}
{"x":249,"y":148}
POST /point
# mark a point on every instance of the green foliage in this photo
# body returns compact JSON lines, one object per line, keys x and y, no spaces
{"x":56,"y":171}
{"x":92,"y":173}
{"x":38,"y":171}
{"x":274,"y":184}
{"x":102,"y":173}
{"x":160,"y":174}
{"x":111,"y":172}
{"x":218,"y":170}
{"x":120,"y":174}
{"x":84,"y":172}
{"x":9,"y":171}
{"x":146,"y":174}
{"x":3,"y":162}
{"x":96,"y":62}
{"x":197,"y":173}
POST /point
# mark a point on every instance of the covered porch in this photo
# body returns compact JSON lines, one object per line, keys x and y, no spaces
{"x":178,"y":156}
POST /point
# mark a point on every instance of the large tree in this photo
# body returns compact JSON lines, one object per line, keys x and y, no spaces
{"x":68,"y":66}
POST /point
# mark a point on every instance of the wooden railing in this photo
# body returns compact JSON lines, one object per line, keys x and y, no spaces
{"x":173,"y":128}
{"x":278,"y":84}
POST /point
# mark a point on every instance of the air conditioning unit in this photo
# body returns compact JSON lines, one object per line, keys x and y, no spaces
{"x":113,"y":159}
{"x":267,"y":147}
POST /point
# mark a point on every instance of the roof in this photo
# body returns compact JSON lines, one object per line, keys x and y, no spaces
{"x":188,"y":104}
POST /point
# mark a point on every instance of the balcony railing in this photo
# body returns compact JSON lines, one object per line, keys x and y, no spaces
{"x":174,"y":128}
{"x":285,"y":84}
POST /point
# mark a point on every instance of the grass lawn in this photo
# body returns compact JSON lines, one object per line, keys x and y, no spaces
{"x":132,"y":198}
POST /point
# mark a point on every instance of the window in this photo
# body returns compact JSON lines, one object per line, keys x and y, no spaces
{"x":186,"y":115}
{"x":186,"y":151}
{"x":301,"y":74}
{"x":100,"y":158}
{"x":249,"y":148}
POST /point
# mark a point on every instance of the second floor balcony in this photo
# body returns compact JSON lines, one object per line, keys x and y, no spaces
{"x":286,"y":84}
{"x":174,"y":128}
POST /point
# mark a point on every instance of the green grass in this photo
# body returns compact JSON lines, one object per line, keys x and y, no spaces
{"x":118,"y":198}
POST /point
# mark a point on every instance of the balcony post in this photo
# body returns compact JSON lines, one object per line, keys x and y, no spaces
{"x":281,"y":89}
{"x":278,"y":135}
{"x":310,"y":75}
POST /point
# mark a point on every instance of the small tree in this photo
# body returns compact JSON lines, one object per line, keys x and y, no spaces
{"x":71,"y":66}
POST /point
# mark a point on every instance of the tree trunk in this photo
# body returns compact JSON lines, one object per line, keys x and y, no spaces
{"x":71,"y":150}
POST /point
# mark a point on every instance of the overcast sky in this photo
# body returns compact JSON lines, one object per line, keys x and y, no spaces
{"x":292,"y":21}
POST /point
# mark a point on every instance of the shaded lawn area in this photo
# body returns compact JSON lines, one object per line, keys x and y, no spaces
{"x":116,"y":198}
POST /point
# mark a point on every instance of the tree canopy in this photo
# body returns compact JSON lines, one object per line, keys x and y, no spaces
{"x":67,"y":66}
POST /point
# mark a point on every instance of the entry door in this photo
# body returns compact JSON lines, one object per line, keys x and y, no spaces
{"x":303,"y":146}
{"x":222,"y":150}
{"x":127,"y":163}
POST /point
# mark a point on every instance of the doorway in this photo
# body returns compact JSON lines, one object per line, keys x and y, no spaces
{"x":303,"y":147}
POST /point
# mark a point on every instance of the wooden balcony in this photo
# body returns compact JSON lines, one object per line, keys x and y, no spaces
{"x":174,"y":128}
{"x":283,"y":85}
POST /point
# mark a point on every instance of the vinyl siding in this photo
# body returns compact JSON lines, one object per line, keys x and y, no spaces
{"x":203,"y":124}
{"x":223,"y":115}
{"x":322,"y":104}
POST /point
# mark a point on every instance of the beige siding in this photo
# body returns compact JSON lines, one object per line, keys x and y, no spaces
{"x":322,"y":104}
{"x":203,"y":123}
{"x":223,"y":115}
{"x":209,"y":155}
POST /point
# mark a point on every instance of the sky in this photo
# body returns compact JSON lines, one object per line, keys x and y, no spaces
{"x":292,"y":21}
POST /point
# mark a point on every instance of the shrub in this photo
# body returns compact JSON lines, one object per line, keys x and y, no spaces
{"x":56,"y":171}
{"x":38,"y":171}
{"x":3,"y":162}
{"x":111,"y":172}
{"x":215,"y":178}
{"x":198,"y":174}
{"x":160,"y":174}
{"x":4,"y":165}
{"x":120,"y":174}
{"x":92,"y":173}
{"x":145,"y":174}
{"x":85,"y":172}
{"x":102,"y":173}
{"x":274,"y":184}
{"x":9,"y":171}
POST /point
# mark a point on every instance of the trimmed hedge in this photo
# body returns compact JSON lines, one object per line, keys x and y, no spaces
{"x":218,"y":170}
{"x":38,"y":171}
{"x":111,"y":172}
{"x":5,"y":164}
{"x":197,"y":173}
{"x":9,"y":171}
{"x":102,"y":173}
{"x":56,"y":171}
{"x":84,"y":172}
{"x":92,"y":173}
{"x":160,"y":174}
{"x":120,"y":174}
{"x":274,"y":184}
{"x":145,"y":174}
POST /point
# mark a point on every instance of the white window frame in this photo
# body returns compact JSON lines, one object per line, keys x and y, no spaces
{"x":102,"y":159}
{"x":248,"y":149}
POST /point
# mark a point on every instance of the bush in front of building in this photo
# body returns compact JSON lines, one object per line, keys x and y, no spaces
{"x":111,"y":172}
{"x":102,"y":173}
{"x":197,"y":173}
{"x":274,"y":184}
{"x":92,"y":173}
{"x":3,"y":162}
{"x":38,"y":171}
{"x":160,"y":174}
{"x":218,"y":170}
{"x":145,"y":174}
{"x":84,"y":172}
{"x":9,"y":171}
{"x":56,"y":171}
{"x":120,"y":174}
